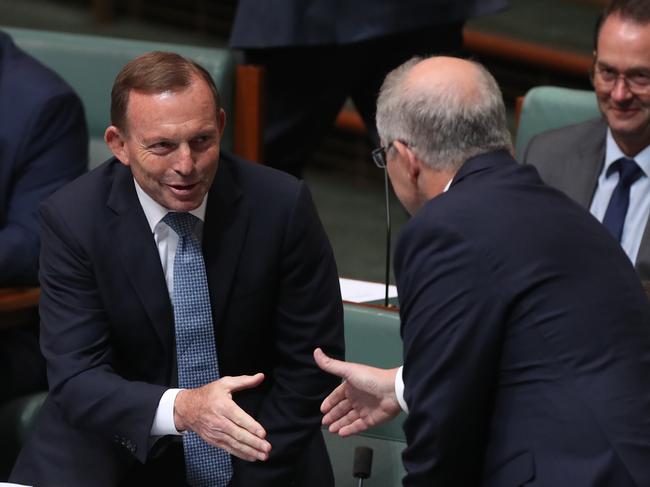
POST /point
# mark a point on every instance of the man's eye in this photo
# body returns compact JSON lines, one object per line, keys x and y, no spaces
{"x":640,"y":79}
{"x":201,"y":141}
{"x":161,"y":146}
{"x":608,"y":73}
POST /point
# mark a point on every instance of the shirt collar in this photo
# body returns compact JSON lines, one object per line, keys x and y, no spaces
{"x":155,"y":212}
{"x":613,"y":153}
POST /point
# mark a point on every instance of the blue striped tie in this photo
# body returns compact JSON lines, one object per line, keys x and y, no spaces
{"x":614,"y":218}
{"x":206,"y":465}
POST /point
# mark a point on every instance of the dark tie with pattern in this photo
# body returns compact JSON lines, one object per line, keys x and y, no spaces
{"x":614,"y":218}
{"x":207,"y":466}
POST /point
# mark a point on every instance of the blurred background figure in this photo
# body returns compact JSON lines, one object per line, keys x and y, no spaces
{"x":319,"y":53}
{"x":43,"y":145}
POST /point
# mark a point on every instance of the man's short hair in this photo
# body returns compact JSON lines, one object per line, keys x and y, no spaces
{"x":155,"y":72}
{"x":440,"y":127}
{"x":637,"y":11}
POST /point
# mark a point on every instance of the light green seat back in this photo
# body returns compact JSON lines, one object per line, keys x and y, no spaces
{"x":550,"y":107}
{"x":17,"y":418}
{"x":90,"y":63}
{"x":371,"y":337}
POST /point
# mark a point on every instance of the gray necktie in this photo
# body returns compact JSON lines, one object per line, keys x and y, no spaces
{"x":196,"y":350}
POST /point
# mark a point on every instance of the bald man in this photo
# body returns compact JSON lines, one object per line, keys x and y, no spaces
{"x":520,"y":366}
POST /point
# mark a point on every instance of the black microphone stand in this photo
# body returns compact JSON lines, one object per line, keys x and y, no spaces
{"x":387,"y":275}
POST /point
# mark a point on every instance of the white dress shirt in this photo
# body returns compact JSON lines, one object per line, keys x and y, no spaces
{"x":166,"y":240}
{"x":639,"y":209}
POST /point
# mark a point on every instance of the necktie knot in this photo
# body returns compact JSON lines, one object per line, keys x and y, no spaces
{"x":182,"y":223}
{"x":629,"y":171}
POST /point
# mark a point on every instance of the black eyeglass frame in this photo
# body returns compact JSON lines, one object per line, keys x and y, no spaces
{"x":379,"y":155}
{"x":608,"y":77}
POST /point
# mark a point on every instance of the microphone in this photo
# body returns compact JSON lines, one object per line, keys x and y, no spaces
{"x":362,"y":463}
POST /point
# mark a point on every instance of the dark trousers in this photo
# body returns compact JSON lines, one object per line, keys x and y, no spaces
{"x":307,"y":86}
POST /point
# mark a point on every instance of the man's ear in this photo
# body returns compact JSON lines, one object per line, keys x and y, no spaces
{"x":115,"y":140}
{"x":413,"y":165}
{"x":221,"y":120}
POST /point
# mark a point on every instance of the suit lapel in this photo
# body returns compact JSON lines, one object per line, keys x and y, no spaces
{"x":139,"y":255}
{"x":226,"y":223}
{"x":582,"y":173}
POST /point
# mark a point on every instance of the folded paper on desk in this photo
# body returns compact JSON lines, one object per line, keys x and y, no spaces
{"x":356,"y":291}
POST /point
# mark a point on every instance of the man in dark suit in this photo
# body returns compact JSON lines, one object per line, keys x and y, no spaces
{"x":526,"y":331}
{"x":113,"y":333}
{"x":316,"y":54}
{"x":43,"y":146}
{"x":582,"y":160}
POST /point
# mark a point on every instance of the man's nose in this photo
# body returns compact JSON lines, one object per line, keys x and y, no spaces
{"x":621,"y":90}
{"x":184,"y":163}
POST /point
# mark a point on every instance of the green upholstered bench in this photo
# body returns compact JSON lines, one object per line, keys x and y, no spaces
{"x":371,"y":337}
{"x":90,"y":63}
{"x":549,"y":107}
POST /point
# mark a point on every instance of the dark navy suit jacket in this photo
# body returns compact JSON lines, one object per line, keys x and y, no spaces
{"x":43,"y":145}
{"x":526,"y":339}
{"x":291,"y":23}
{"x":108,"y":327}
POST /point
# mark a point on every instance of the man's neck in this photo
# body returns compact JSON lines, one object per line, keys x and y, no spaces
{"x":630,"y":146}
{"x":436,"y":183}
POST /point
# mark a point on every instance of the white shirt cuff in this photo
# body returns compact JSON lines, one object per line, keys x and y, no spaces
{"x":163,"y":422}
{"x":399,"y":390}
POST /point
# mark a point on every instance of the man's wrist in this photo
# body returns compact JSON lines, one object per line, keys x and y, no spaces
{"x":164,"y":421}
{"x":399,"y":390}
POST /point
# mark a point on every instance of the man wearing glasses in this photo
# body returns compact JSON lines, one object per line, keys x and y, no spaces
{"x":526,"y":332}
{"x":604,"y":163}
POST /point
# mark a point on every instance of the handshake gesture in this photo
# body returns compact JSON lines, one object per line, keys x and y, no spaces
{"x":365,"y":398}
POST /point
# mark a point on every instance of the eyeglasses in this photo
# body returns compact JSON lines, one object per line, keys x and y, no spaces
{"x":379,"y":155}
{"x":605,"y":78}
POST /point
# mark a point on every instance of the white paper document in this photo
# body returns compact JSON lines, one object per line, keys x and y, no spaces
{"x":363,"y":291}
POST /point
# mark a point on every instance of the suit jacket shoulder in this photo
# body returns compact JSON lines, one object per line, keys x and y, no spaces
{"x":43,"y":145}
{"x":570,"y":158}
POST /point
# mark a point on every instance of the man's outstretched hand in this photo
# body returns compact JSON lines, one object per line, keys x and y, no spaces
{"x":211,"y":413}
{"x":365,"y":398}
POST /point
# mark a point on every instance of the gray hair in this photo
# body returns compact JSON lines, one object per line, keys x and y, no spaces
{"x":442,"y":127}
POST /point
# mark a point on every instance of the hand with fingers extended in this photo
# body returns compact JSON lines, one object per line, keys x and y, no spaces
{"x":365,"y":398}
{"x":211,"y":413}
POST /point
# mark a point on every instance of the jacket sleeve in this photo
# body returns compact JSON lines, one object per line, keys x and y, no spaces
{"x":451,"y":321}
{"x":52,"y":151}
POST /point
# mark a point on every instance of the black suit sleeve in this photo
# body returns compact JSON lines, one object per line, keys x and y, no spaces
{"x":309,"y":315}
{"x":54,"y":151}
{"x":451,"y":321}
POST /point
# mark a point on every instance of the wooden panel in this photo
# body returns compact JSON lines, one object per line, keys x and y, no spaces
{"x":12,"y":299}
{"x":528,"y":53}
{"x":18,"y":306}
{"x":519,"y":104}
{"x":249,"y":112}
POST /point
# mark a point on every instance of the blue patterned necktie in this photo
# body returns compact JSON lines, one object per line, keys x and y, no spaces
{"x":206,"y":465}
{"x":614,"y":218}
